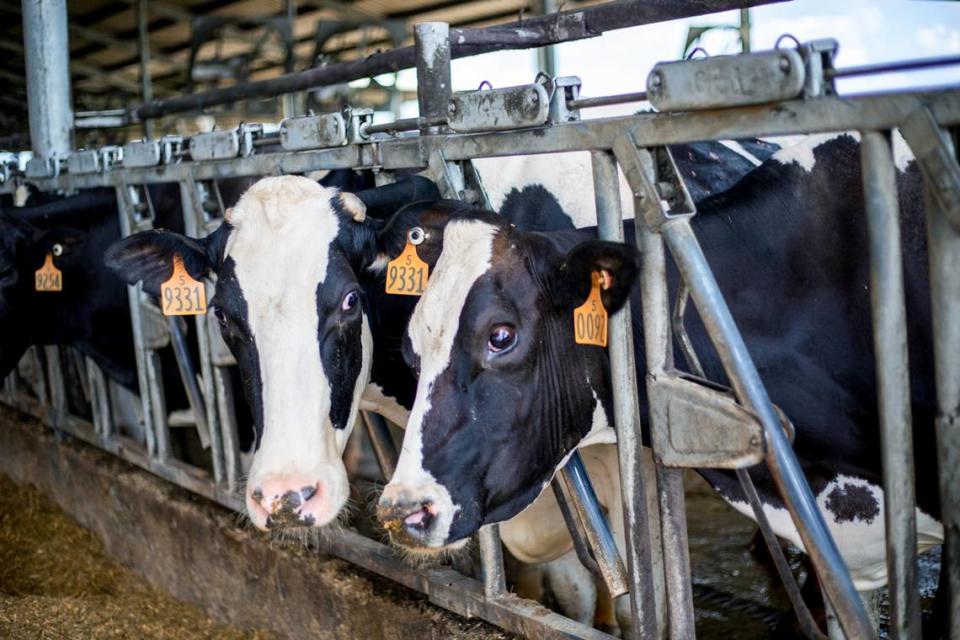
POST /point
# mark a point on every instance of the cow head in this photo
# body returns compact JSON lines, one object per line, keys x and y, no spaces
{"x":505,"y":394}
{"x":291,"y":310}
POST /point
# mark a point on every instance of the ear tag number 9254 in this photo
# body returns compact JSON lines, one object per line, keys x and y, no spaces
{"x":181,"y":295}
{"x":48,"y":277}
{"x":407,"y":273}
{"x":590,"y":318}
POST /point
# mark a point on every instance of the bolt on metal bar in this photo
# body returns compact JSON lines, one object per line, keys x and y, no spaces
{"x":626,"y":410}
{"x":893,"y":379}
{"x":943,"y":244}
{"x":605,"y":101}
{"x":585,"y":507}
{"x":783,"y":465}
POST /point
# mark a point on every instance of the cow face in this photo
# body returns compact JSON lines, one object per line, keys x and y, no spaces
{"x":291,"y":311}
{"x":504,"y":393}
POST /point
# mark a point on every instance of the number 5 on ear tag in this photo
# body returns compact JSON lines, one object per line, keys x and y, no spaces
{"x":590,"y":318}
{"x":181,"y":295}
{"x":48,"y":277}
{"x":407,"y":273}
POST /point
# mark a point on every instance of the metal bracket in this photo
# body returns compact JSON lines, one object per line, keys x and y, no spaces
{"x":727,"y":81}
{"x":670,"y":189}
{"x":215,"y":145}
{"x":171,"y":149}
{"x":359,"y":120}
{"x":705,"y":427}
{"x":565,"y":89}
{"x":249,"y":134}
{"x":818,"y":57}
{"x":111,"y":156}
{"x":499,"y":109}
{"x":939,"y":166}
{"x":313,"y":132}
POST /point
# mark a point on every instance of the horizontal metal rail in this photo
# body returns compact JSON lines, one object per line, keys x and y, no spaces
{"x":820,"y":115}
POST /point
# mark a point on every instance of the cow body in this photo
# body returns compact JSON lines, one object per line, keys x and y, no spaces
{"x":505,"y":392}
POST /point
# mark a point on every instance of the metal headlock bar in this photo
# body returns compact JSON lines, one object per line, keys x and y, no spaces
{"x":691,"y":423}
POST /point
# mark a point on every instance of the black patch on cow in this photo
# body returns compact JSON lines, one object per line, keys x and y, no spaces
{"x":850,"y":502}
{"x":533,"y":208}
{"x":236,"y":332}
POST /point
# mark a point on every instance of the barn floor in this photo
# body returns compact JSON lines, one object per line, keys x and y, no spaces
{"x":56,"y":581}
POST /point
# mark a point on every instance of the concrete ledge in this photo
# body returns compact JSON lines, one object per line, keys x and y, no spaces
{"x":193,"y":549}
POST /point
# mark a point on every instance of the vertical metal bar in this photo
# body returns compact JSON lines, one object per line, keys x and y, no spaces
{"x":57,"y":408}
{"x":382,"y":442}
{"x":99,"y":400}
{"x":943,"y":244}
{"x":289,"y":100}
{"x":893,"y":380}
{"x":751,"y":393}
{"x":143,"y":43}
{"x":193,"y":221}
{"x":47,"y":59}
{"x":188,"y":376}
{"x":623,"y":375}
{"x":547,"y":56}
{"x":491,"y":557}
{"x":152,"y":422}
{"x":658,"y":349}
{"x":585,"y":507}
{"x":432,"y":42}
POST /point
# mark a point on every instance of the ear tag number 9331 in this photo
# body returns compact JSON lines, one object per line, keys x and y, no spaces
{"x":48,"y":277}
{"x":407,"y":273}
{"x":590,"y":318}
{"x":181,"y":295}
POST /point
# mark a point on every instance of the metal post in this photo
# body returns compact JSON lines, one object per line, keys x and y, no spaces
{"x":547,"y":56}
{"x":432,"y":42}
{"x":575,"y":493}
{"x":384,"y":449}
{"x":47,"y":58}
{"x":288,"y":100}
{"x":751,"y":393}
{"x":623,"y":374}
{"x":893,"y":380}
{"x":944,"y":247}
{"x":146,"y":80}
{"x":491,"y":557}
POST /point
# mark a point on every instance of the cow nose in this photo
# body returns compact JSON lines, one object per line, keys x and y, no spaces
{"x":408,"y":522}
{"x":284,"y":502}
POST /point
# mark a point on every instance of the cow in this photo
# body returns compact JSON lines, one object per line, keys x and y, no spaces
{"x":505,"y":394}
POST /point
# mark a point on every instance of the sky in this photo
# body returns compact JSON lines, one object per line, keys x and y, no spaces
{"x":868,"y":31}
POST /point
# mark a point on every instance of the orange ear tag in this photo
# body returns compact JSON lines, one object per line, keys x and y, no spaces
{"x":407,"y":273}
{"x":181,"y":295}
{"x":590,"y":318}
{"x":48,"y":277}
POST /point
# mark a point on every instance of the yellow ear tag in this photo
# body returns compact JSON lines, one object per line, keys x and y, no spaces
{"x":181,"y":295}
{"x":48,"y":277}
{"x":590,"y":318}
{"x":407,"y":273}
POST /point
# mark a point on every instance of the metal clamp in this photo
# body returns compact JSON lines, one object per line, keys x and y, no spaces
{"x":249,"y":133}
{"x":499,"y":109}
{"x":313,"y":132}
{"x":142,"y":153}
{"x":111,"y":156}
{"x":565,"y":90}
{"x":726,"y":81}
{"x":359,"y":119}
{"x":171,"y":149}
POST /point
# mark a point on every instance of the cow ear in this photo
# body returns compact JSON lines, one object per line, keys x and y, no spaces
{"x":618,"y":262}
{"x":148,"y":256}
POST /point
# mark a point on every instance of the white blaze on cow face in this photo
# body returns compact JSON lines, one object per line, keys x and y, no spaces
{"x":467,"y":254}
{"x":283,"y":230}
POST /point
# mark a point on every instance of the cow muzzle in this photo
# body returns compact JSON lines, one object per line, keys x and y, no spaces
{"x":290,"y":501}
{"x":417,"y":517}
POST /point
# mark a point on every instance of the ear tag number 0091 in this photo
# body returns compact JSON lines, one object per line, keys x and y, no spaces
{"x":48,"y":277}
{"x":590,"y":318}
{"x":181,"y":295}
{"x":407,"y":273}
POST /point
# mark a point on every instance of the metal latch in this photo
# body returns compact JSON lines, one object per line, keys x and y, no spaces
{"x":566,"y":88}
{"x":499,"y":109}
{"x":360,"y":119}
{"x":142,"y":153}
{"x":111,"y":156}
{"x":171,"y":149}
{"x":726,"y":81}
{"x":704,"y":427}
{"x":313,"y":132}
{"x":658,"y":203}
{"x":249,"y":134}
{"x":84,"y":161}
{"x":215,"y":145}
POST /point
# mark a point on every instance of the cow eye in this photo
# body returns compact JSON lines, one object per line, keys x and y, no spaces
{"x":501,"y":338}
{"x":221,"y":317}
{"x":350,"y":301}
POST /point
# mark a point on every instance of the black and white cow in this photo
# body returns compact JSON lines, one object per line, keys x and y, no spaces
{"x":505,"y":394}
